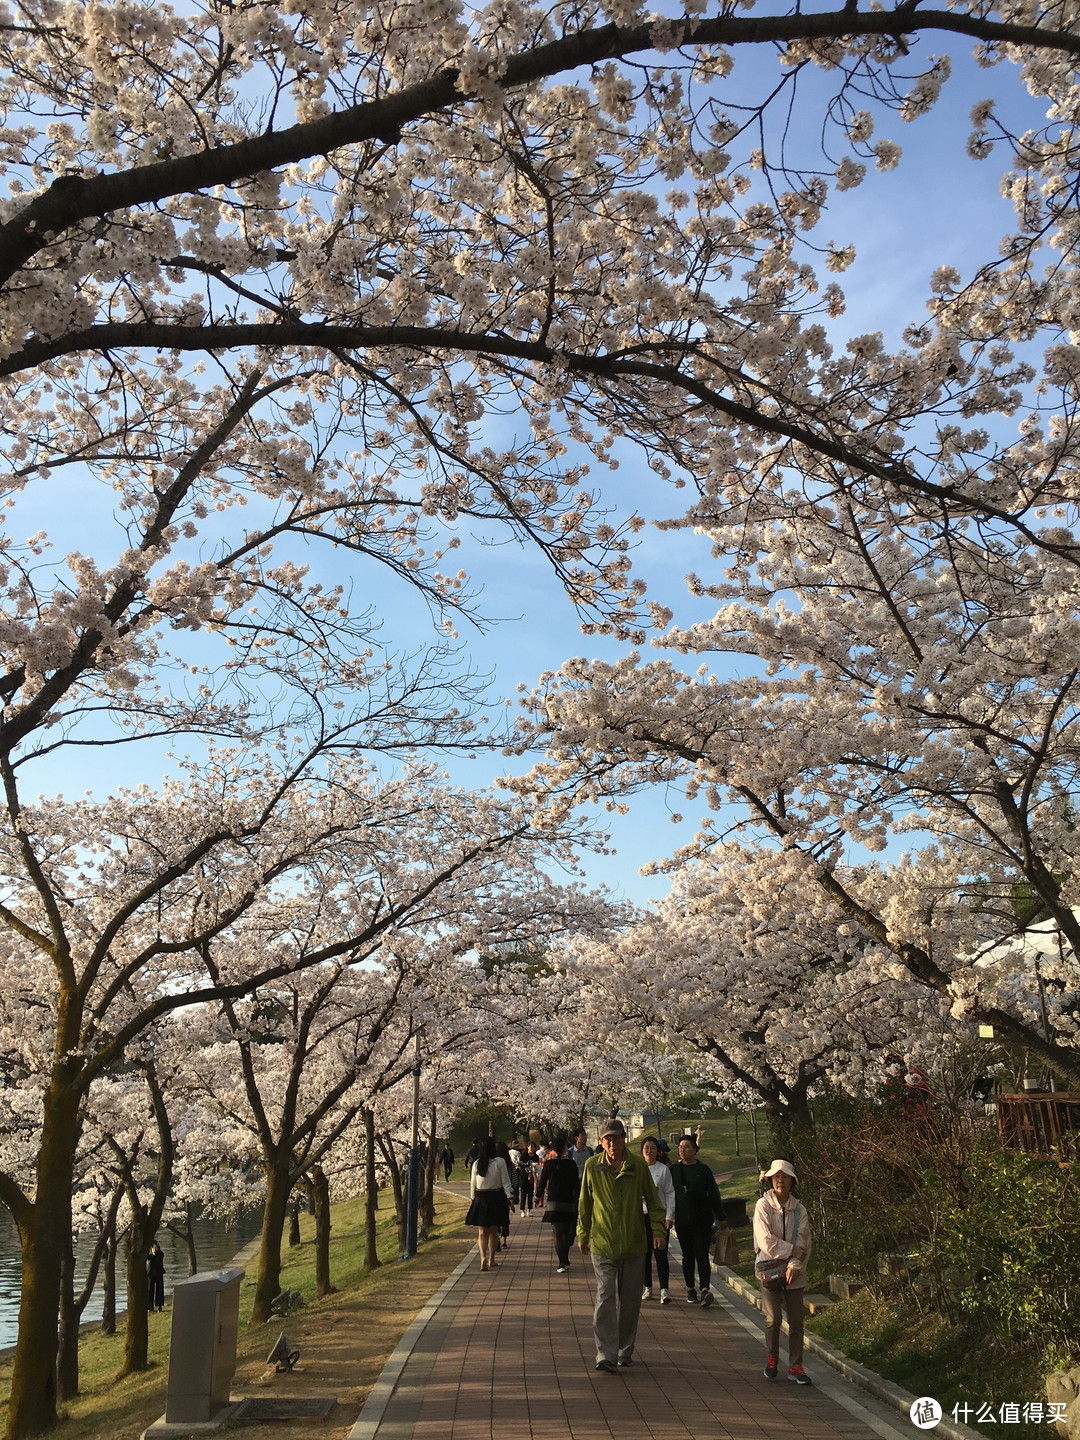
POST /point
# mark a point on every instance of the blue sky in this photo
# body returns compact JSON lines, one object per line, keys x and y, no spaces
{"x":938,"y":207}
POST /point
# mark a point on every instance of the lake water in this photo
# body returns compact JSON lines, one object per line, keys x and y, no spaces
{"x":215,"y":1241}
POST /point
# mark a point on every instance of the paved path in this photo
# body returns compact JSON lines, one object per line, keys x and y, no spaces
{"x":508,"y":1355}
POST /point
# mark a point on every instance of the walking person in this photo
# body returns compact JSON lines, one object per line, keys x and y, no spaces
{"x":581,"y":1150}
{"x":614,"y":1186}
{"x":557,"y":1190}
{"x":490,"y":1203}
{"x":698,"y":1207}
{"x":502,"y":1150}
{"x":155,"y":1277}
{"x":650,"y":1150}
{"x":781,"y":1249}
{"x":529,"y":1165}
{"x":446,"y":1156}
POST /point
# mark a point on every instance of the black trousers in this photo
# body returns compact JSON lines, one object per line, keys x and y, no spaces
{"x":563,"y":1232}
{"x":663,"y":1264}
{"x":156,"y":1295}
{"x":695,"y":1241}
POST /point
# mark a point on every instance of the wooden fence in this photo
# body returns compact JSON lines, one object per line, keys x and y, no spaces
{"x":1046,"y":1123}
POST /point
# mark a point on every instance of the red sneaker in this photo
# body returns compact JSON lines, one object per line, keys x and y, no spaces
{"x":770,"y":1367}
{"x":798,"y":1375}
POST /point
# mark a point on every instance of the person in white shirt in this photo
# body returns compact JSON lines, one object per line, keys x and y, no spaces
{"x":665,"y":1188}
{"x":491,"y":1195}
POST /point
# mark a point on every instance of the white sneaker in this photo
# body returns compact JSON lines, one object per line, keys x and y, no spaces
{"x":646,"y":1294}
{"x":665,"y":1297}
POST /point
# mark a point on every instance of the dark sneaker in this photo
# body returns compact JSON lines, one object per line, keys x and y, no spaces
{"x":707,"y":1299}
{"x":770,"y":1367}
{"x":625,"y":1364}
{"x":691,"y":1297}
{"x":799,"y":1375}
{"x":607,"y":1366}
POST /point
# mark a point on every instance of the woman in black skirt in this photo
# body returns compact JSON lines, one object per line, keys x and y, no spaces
{"x":491,"y":1196}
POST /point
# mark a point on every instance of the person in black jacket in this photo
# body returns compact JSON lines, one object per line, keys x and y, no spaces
{"x":155,"y":1277}
{"x":698,"y":1207}
{"x":560,"y":1181}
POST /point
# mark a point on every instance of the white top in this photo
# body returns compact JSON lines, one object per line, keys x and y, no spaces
{"x":665,"y":1188}
{"x":774,"y":1232}
{"x":497,"y":1177}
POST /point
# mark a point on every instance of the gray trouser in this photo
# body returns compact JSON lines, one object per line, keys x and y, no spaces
{"x":792,"y":1302}
{"x":618,"y":1304}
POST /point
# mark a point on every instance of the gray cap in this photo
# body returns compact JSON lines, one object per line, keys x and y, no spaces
{"x":612,"y":1127}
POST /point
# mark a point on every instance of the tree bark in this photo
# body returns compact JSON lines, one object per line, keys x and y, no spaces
{"x":279,"y":1186}
{"x":145,"y":1220}
{"x":67,"y":1360}
{"x":320,"y":1200}
{"x":44,"y":1232}
{"x":371,"y":1195}
{"x":108,"y":1286}
{"x":427,"y":1206}
{"x":137,"y":1321}
{"x":294,"y":1222}
{"x":387,"y":1148}
{"x":186,"y":1233}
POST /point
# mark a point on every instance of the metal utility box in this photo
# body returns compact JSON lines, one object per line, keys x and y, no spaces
{"x":202,"y":1347}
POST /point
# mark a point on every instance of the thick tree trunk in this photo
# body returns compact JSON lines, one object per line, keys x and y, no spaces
{"x":108,"y":1286}
{"x":136,"y":1321}
{"x":320,"y":1200}
{"x":371,"y":1195}
{"x":67,"y":1360}
{"x":275,"y":1209}
{"x":294,"y":1222}
{"x":45,"y":1234}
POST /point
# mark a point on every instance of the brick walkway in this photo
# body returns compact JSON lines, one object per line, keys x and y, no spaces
{"x":508,"y":1355}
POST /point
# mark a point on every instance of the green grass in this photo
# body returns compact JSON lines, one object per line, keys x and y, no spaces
{"x":920,"y":1351}
{"x":121,"y":1409}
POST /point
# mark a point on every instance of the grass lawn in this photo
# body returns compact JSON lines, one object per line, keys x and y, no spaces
{"x":922,"y":1352}
{"x":344,"y":1339}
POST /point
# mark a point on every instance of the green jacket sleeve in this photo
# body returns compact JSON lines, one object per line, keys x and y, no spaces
{"x":585,"y":1204}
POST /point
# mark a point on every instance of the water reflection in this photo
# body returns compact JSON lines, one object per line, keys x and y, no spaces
{"x":215,"y":1242}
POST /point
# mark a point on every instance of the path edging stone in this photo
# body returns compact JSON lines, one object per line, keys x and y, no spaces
{"x":382,"y":1392}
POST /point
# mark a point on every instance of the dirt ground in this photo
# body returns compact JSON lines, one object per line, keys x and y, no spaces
{"x":343,"y":1346}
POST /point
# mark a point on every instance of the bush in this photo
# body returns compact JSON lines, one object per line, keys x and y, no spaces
{"x":984,"y":1241}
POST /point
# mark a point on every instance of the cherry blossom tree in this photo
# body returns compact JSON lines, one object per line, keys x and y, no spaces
{"x":121,"y":913}
{"x":912,"y":687}
{"x":278,"y":277}
{"x":754,"y":977}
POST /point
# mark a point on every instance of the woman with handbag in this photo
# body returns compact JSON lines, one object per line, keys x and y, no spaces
{"x":698,"y":1207}
{"x":781,"y":1248}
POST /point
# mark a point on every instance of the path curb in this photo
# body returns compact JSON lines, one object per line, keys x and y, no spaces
{"x":382,"y":1392}
{"x":858,"y":1374}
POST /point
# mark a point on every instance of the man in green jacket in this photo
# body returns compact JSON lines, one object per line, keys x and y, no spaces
{"x":616,"y":1190}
